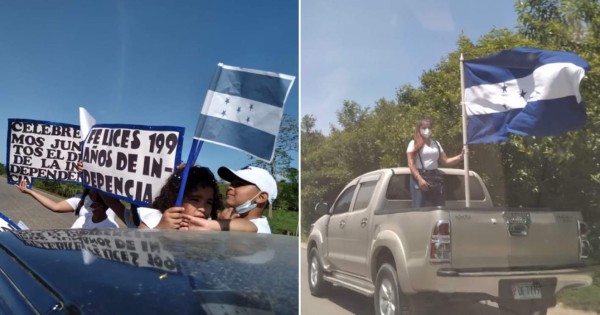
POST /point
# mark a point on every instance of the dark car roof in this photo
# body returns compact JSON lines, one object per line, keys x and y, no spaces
{"x":121,"y":271}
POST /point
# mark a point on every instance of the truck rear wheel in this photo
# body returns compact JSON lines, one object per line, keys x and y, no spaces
{"x":387,"y":292}
{"x":389,"y":299}
{"x":316,"y":283}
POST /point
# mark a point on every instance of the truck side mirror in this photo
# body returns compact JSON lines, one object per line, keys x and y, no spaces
{"x":322,"y":208}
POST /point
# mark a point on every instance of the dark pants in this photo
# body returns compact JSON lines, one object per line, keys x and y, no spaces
{"x":432,"y":197}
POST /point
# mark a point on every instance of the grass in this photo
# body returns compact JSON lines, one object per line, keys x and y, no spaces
{"x":284,"y":222}
{"x":585,"y":298}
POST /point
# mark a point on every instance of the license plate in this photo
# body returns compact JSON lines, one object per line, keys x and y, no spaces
{"x":526,"y":291}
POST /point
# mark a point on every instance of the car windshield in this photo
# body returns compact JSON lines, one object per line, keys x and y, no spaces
{"x":210,"y":273}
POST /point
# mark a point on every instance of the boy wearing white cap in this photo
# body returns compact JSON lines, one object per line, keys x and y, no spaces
{"x":250,"y":191}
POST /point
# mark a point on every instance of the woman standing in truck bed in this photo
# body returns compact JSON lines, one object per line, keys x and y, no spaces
{"x":423,"y":153}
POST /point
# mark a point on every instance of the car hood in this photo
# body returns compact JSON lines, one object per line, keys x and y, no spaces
{"x":126,"y":270}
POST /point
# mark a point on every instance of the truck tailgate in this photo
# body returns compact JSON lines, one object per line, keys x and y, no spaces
{"x":513,"y":238}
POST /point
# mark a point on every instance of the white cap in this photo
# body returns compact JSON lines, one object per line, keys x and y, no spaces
{"x":255,"y":175}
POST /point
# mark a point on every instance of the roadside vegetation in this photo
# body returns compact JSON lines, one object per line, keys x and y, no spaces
{"x":585,"y":298}
{"x":561,"y":172}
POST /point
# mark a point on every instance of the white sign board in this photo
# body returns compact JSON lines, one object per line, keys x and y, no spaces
{"x":130,"y":162}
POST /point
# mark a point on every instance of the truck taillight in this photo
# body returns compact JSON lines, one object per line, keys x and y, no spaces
{"x":440,"y":249}
{"x":584,"y":243}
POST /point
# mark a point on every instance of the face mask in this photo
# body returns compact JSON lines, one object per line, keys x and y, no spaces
{"x":87,"y":203}
{"x":426,"y":133}
{"x":247,"y":206}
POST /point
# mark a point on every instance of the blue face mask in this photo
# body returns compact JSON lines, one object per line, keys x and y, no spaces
{"x":247,"y":206}
{"x":87,"y":203}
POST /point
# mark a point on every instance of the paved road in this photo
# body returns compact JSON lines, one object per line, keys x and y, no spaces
{"x":18,"y":206}
{"x":340,"y":301}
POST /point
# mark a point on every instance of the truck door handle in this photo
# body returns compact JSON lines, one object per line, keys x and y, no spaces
{"x":342,"y":224}
{"x":363,"y":222}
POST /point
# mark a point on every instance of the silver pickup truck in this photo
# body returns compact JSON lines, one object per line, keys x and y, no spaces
{"x":410,"y":260}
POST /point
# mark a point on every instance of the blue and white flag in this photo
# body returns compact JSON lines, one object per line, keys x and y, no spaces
{"x":525,"y":91}
{"x":243,"y":109}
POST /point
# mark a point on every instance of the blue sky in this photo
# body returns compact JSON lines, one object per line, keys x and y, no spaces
{"x":137,"y":62}
{"x":365,"y":50}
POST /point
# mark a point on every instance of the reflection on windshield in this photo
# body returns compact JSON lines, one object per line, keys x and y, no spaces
{"x":225,"y":272}
{"x":50,"y":239}
{"x":131,"y":247}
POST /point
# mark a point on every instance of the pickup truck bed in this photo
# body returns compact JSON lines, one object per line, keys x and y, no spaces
{"x":370,"y":240}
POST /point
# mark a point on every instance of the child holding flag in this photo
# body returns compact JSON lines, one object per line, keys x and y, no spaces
{"x":250,"y":191}
{"x":201,"y":199}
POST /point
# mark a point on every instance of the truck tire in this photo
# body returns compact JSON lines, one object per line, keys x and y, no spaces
{"x":316,"y":283}
{"x":389,"y":299}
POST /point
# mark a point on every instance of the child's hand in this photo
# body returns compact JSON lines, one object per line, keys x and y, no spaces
{"x":23,"y":186}
{"x":193,"y":211}
{"x":227,"y":214}
{"x":171,"y":218}
{"x":194,"y":223}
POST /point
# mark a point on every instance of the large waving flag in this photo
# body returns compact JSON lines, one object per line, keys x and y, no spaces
{"x":524,"y":91}
{"x":243,"y":109}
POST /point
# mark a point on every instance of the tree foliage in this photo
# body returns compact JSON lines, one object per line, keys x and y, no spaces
{"x":280,"y":167}
{"x":285,"y":146}
{"x":561,"y":172}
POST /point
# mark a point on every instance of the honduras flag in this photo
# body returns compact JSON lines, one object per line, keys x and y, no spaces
{"x":243,"y":109}
{"x":525,"y":91}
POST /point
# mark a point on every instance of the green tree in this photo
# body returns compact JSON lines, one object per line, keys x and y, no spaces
{"x":287,"y":197}
{"x":318,"y":170}
{"x":285,"y":147}
{"x":569,"y":165}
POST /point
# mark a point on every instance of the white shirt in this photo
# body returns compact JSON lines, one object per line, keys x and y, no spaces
{"x":150,"y":216}
{"x":74,"y":201}
{"x":84,"y":211}
{"x":85,"y":222}
{"x":430,"y":154}
{"x":262,"y":225}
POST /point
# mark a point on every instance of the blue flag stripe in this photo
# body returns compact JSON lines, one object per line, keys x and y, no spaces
{"x":489,"y":127}
{"x":257,"y":87}
{"x":513,"y":64}
{"x":478,"y":74}
{"x":539,"y":118}
{"x":237,"y":136}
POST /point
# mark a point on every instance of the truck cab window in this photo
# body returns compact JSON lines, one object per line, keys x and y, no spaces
{"x":365,"y":192}
{"x":343,"y":203}
{"x":454,"y":188}
{"x":398,"y":188}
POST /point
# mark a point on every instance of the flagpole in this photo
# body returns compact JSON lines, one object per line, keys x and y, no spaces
{"x":464,"y":125}
{"x":194,"y":152}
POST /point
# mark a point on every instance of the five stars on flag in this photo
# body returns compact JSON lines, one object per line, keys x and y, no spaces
{"x":239,"y":109}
